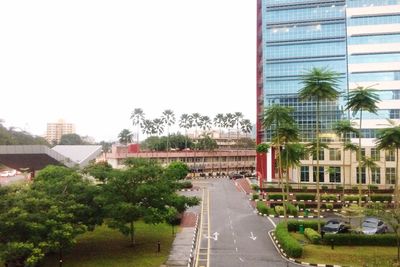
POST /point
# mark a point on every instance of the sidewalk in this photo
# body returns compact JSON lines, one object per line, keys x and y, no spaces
{"x":182,"y":248}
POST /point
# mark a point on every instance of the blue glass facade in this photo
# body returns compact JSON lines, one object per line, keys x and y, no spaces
{"x":297,"y":36}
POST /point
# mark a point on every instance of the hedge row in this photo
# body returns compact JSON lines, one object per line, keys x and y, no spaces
{"x":255,"y":196}
{"x":354,"y":198}
{"x":328,"y":197}
{"x":288,"y":243}
{"x":275,"y":196}
{"x":312,"y":235}
{"x":185,"y":185}
{"x":305,"y":197}
{"x":360,"y":239}
{"x":263,"y":209}
{"x":381,"y":197}
{"x":293,"y":225}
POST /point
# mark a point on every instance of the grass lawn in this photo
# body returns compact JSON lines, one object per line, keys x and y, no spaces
{"x":361,"y":256}
{"x":107,"y":247}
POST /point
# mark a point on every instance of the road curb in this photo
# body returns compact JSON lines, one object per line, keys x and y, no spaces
{"x":286,"y":257}
{"x":290,"y":216}
{"x":196,"y":228}
{"x":189,"y":190}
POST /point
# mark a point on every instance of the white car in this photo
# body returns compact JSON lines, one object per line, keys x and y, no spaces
{"x":4,"y":174}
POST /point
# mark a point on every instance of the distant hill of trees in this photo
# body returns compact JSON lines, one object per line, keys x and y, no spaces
{"x":15,"y":136}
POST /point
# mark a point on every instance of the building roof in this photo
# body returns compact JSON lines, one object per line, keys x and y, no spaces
{"x":79,"y":154}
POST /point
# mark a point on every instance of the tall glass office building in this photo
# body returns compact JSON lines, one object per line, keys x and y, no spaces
{"x":360,"y":39}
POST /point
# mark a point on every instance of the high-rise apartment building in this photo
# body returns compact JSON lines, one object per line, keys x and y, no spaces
{"x":57,"y":129}
{"x":360,"y":39}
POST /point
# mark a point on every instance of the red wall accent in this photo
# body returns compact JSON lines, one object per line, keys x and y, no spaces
{"x":133,"y":148}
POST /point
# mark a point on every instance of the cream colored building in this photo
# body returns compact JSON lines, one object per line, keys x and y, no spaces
{"x":57,"y":129}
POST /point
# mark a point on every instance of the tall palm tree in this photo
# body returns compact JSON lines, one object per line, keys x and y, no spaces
{"x":237,"y":118}
{"x":185,"y":122}
{"x":343,"y":129}
{"x":348,"y":146}
{"x":368,"y":163}
{"x":196,"y":117}
{"x":245,"y":126}
{"x":137,"y":117}
{"x":389,"y":139}
{"x":205,"y":124}
{"x":168,"y":118}
{"x":228,"y":124}
{"x":274,"y":117}
{"x":158,"y":125}
{"x":362,"y":99}
{"x":125,"y":137}
{"x":319,"y":84}
{"x":148,"y":127}
{"x":219,"y":122}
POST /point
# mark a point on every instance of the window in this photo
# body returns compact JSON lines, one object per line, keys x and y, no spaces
{"x":321,"y":155}
{"x":334,"y":154}
{"x":334,"y":174}
{"x":375,"y":154}
{"x":389,"y":155}
{"x":304,"y":174}
{"x":363,"y":180}
{"x":390,"y":175}
{"x":321,"y":174}
{"x":376,"y":175}
{"x":362,"y":153}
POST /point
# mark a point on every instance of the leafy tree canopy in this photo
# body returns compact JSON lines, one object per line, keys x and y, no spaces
{"x":71,"y":139}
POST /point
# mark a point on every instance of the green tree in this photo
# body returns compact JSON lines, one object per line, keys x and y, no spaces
{"x":137,"y":117}
{"x":319,"y":84}
{"x":140,"y":192}
{"x":361,"y":99}
{"x":343,"y":129}
{"x":368,"y":163}
{"x":348,"y":146}
{"x":219,"y":122}
{"x":206,"y":143}
{"x":176,"y":170}
{"x":168,"y":118}
{"x":389,"y":139}
{"x":245,"y":126}
{"x":71,"y":139}
{"x":101,"y":171}
{"x":125,"y":137}
{"x":196,"y":122}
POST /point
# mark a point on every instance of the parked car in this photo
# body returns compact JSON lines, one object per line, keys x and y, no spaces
{"x":372,"y":226}
{"x":235,"y":176}
{"x":335,"y":226}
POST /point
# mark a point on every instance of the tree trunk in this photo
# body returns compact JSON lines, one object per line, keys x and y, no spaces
{"x":344,"y":171}
{"x":318,"y":194}
{"x":359,"y":163}
{"x":396,"y":186}
{"x":132,"y":234}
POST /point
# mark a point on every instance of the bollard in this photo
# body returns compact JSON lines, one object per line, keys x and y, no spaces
{"x":332,"y":245}
{"x":158,"y":246}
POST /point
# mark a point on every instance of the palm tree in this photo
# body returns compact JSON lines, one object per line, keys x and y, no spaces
{"x":389,"y":139}
{"x":219,"y":122}
{"x":362,"y":99}
{"x":137,"y":118}
{"x":348,"y":146}
{"x":274,"y":117}
{"x":368,"y":163}
{"x":168,"y":118}
{"x":196,"y":122}
{"x":185,"y":122}
{"x":237,"y":118}
{"x":228,"y":124}
{"x":158,"y":125}
{"x":125,"y":136}
{"x":205,"y":124}
{"x":343,"y":129}
{"x":245,"y":126}
{"x":319,"y":84}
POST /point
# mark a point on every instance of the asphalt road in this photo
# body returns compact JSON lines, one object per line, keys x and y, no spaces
{"x":238,"y":236}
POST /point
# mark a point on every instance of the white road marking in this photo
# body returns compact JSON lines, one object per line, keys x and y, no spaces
{"x":252,"y":236}
{"x":236,"y":249}
{"x":234,"y":241}
{"x":241,"y":259}
{"x":271,"y":222}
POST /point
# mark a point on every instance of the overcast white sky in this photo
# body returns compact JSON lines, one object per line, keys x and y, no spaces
{"x":93,"y":62}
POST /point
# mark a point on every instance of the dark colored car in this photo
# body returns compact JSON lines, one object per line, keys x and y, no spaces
{"x":372,"y":226}
{"x":335,"y":226}
{"x":235,"y":176}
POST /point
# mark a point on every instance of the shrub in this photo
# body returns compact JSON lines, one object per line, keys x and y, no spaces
{"x":324,"y":187}
{"x":291,"y":209}
{"x":312,"y":235}
{"x":262,"y":207}
{"x":361,"y":240}
{"x":288,"y":243}
{"x":255,"y":196}
{"x":353,"y":198}
{"x":290,"y":187}
{"x":305,"y":197}
{"x":373,"y":187}
{"x":381,"y":197}
{"x":301,"y":205}
{"x":354,"y":188}
{"x":185,"y":185}
{"x":339,"y":187}
{"x":304,"y":187}
{"x":328,"y":197}
{"x":275,"y":196}
{"x":255,"y":187}
{"x":293,"y":225}
{"x":329,"y":206}
{"x":279,"y":210}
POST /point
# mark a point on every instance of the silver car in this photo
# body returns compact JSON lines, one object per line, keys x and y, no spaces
{"x":372,"y":226}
